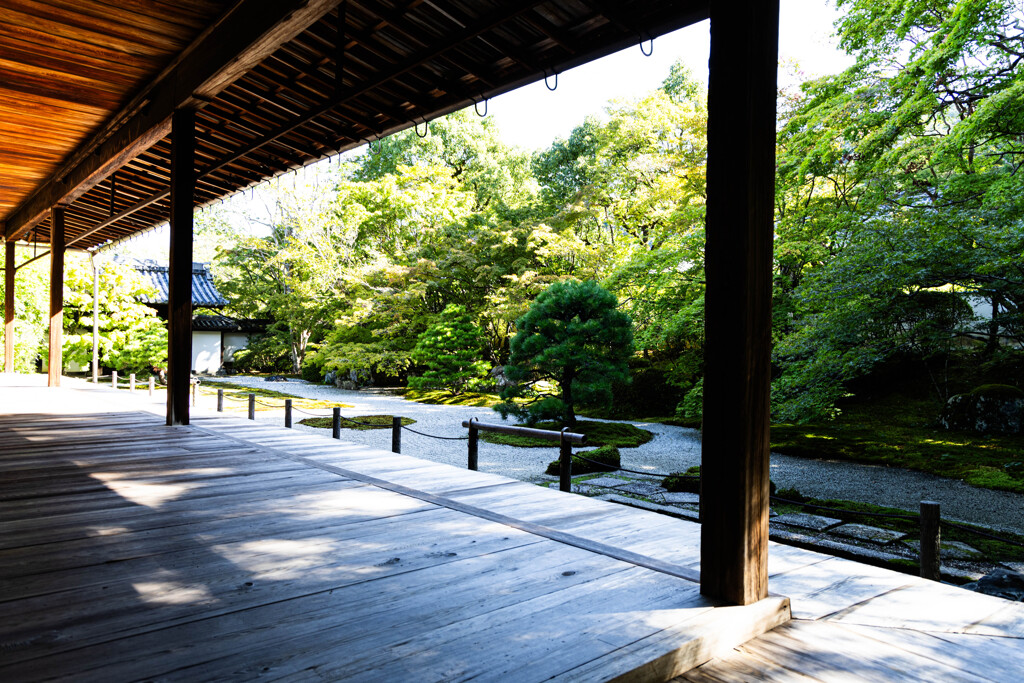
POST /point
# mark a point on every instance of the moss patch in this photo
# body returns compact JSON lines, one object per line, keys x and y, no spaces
{"x":683,"y":482}
{"x":605,"y":459}
{"x":847,"y":510}
{"x":365,"y":422}
{"x":618,"y":434}
{"x":440,"y":397}
{"x":898,"y":431}
{"x":236,"y":395}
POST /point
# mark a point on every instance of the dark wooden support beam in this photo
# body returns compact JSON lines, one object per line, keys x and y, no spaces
{"x":9,"y":272}
{"x":738,"y":262}
{"x":56,"y":362}
{"x":339,"y":47}
{"x":179,"y":290}
{"x":113,"y":191}
{"x":228,"y":49}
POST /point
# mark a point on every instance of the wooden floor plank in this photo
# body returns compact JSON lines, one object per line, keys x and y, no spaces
{"x":276,"y":554}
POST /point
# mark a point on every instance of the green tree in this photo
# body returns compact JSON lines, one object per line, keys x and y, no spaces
{"x":288,"y":269}
{"x":450,"y":349}
{"x":898,"y":179}
{"x":571,"y":345}
{"x":32,"y":309}
{"x":131,"y":337}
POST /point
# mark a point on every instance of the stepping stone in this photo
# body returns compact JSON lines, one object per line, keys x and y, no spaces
{"x":575,"y":488}
{"x":646,"y":505}
{"x":863,"y":532}
{"x":806,"y":521}
{"x":954,"y":550}
{"x":642,"y":488}
{"x":682,"y":497}
{"x":610,"y":482}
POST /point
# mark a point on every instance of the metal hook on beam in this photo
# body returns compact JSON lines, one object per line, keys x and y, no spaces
{"x":426,"y":129}
{"x":650,"y":51}
{"x":476,"y":107}
{"x":548,"y":85}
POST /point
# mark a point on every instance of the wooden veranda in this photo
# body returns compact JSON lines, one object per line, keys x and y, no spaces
{"x":231,"y":549}
{"x":121,"y":115}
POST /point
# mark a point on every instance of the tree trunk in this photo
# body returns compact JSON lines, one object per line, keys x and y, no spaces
{"x":992,"y":344}
{"x":567,"y":399}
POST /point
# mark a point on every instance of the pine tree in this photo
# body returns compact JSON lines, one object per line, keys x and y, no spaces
{"x":571,"y":345}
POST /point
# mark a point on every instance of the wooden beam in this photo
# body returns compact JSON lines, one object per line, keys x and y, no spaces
{"x":56,"y":361}
{"x":9,"y":272}
{"x":179,"y":288}
{"x":240,"y":40}
{"x":738,"y":263}
{"x":141,"y":204}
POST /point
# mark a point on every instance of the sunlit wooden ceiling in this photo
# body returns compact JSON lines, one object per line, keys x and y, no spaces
{"x":85,"y":85}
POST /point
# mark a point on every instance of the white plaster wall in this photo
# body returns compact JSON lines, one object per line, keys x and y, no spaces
{"x":234,"y":341}
{"x":205,"y":352}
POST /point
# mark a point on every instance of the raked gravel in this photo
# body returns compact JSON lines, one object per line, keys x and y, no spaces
{"x":673,"y":449}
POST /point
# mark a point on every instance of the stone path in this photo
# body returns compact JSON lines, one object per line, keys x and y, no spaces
{"x":862,"y":541}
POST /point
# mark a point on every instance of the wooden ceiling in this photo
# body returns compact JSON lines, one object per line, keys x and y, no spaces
{"x":87,"y":87}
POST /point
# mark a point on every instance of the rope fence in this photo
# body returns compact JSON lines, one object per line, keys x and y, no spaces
{"x":928,"y":520}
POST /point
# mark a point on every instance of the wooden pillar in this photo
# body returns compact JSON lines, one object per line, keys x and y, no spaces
{"x":95,"y":319}
{"x":9,"y":273}
{"x":738,"y":262}
{"x":56,"y":363}
{"x":179,"y":298}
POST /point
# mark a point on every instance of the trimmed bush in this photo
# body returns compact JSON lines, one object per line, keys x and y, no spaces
{"x":606,"y":460}
{"x":683,"y":482}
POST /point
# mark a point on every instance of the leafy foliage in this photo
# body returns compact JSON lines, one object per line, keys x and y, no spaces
{"x":899,"y":191}
{"x":450,"y":349}
{"x":131,"y":338}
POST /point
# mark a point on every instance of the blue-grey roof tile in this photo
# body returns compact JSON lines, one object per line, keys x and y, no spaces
{"x":204,"y":293}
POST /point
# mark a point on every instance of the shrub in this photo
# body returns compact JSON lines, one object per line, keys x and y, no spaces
{"x":606,"y":460}
{"x":692,"y":405}
{"x":450,"y":349}
{"x":683,"y":482}
{"x":311,"y":373}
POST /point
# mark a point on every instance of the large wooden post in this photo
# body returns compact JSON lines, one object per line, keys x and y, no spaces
{"x":738,"y":262}
{"x":179,"y":298}
{"x":9,"y":273}
{"x":56,"y":363}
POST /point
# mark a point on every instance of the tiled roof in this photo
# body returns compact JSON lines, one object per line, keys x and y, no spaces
{"x":204,"y":293}
{"x":222,"y":323}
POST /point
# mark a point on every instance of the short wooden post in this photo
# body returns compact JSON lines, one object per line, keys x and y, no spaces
{"x":396,"y":434}
{"x":336,"y":424}
{"x":152,"y":384}
{"x":131,"y":383}
{"x":252,"y":406}
{"x":220,"y":400}
{"x":288,"y":413}
{"x":113,"y":379}
{"x":564,"y":463}
{"x":474,"y":446}
{"x":930,"y":541}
